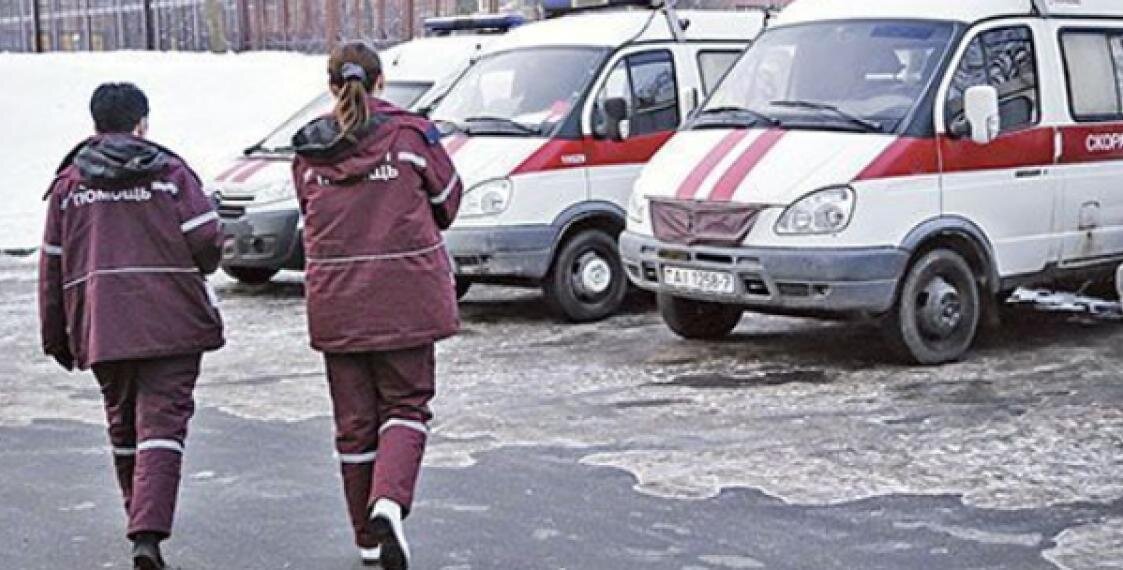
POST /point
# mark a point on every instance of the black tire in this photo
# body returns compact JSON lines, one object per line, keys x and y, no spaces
{"x":938,"y":310}
{"x":698,"y":320}
{"x":462,"y":287}
{"x":587,"y":282}
{"x":251,"y":275}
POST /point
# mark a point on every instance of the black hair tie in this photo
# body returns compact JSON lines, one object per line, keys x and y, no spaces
{"x":353,"y":72}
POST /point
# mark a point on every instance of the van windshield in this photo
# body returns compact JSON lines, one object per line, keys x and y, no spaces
{"x":523,"y":92}
{"x":402,"y":94}
{"x":863,"y":76}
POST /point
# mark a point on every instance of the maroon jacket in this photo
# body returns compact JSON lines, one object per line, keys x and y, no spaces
{"x":129,"y":237}
{"x":377,"y":275}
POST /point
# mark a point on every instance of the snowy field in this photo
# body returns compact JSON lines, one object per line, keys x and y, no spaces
{"x":206,"y":107}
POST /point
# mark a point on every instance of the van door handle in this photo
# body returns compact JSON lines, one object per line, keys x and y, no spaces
{"x":1030,"y":173}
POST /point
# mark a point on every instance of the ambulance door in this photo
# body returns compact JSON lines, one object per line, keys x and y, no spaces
{"x":647,"y":79}
{"x":1007,"y":188}
{"x":1092,"y":150}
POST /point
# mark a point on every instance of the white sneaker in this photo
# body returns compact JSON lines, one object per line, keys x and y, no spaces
{"x":386,"y":527}
{"x":370,"y":556}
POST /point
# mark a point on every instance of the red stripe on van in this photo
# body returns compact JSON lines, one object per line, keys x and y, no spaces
{"x":916,"y":157}
{"x":1021,"y":149}
{"x":1092,"y":143}
{"x":230,"y":171}
{"x":904,"y":157}
{"x":699,"y":173}
{"x":251,"y":170}
{"x":729,"y":182}
{"x":560,"y":154}
{"x":455,"y":143}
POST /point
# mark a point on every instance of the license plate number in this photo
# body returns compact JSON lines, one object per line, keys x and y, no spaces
{"x":699,"y":280}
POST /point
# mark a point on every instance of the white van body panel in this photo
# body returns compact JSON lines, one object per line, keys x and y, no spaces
{"x":1013,"y":206}
{"x":1090,"y":212}
{"x":968,"y":11}
{"x":613,"y":29}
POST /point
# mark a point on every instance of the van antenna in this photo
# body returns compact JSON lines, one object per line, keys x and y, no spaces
{"x":675,"y":24}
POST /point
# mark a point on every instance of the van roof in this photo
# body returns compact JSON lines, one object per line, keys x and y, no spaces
{"x":427,"y":59}
{"x":614,"y":28}
{"x":968,"y":11}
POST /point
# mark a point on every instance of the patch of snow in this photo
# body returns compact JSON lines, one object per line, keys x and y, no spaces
{"x":206,"y":107}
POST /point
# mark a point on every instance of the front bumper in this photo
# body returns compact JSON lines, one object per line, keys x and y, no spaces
{"x":263,"y":239}
{"x":786,"y":280}
{"x":516,"y":252}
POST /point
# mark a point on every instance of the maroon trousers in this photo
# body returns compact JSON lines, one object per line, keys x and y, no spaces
{"x":381,"y":405}
{"x":148,"y":404}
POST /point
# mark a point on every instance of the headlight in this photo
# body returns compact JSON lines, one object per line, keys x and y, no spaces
{"x":487,"y":198}
{"x":280,"y":190}
{"x":637,"y":208}
{"x":826,"y":211}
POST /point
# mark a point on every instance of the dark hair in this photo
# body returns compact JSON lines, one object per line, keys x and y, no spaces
{"x":353,"y":69}
{"x":118,"y":107}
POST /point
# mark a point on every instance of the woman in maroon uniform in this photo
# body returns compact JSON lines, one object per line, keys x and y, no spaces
{"x":376,"y":188}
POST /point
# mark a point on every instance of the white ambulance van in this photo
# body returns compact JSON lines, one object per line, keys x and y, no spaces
{"x":258,"y":205}
{"x":905,"y":159}
{"x":549,"y":130}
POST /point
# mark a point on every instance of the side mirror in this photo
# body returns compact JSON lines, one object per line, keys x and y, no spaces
{"x":980,"y":106}
{"x":616,"y":124}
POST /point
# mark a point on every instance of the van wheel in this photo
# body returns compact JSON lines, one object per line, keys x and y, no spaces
{"x":587,"y":281}
{"x":698,"y":319}
{"x":937,"y":313}
{"x":462,"y":287}
{"x":251,"y":275}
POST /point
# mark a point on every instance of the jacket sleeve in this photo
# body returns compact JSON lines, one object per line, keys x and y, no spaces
{"x":199,"y":224}
{"x":52,"y":314}
{"x":442,"y":183}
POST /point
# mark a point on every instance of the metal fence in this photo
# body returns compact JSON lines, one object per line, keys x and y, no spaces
{"x":222,"y":25}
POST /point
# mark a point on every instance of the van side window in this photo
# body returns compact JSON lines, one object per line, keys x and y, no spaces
{"x":646,"y":81}
{"x":1005,"y":59}
{"x":1094,"y":64}
{"x":713,"y":65}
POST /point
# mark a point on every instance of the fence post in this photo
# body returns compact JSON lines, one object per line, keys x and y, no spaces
{"x":36,"y":28}
{"x":243,"y":25}
{"x":88,"y":26}
{"x":149,"y":27}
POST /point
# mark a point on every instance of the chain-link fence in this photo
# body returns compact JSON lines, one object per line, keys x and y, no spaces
{"x":222,"y":25}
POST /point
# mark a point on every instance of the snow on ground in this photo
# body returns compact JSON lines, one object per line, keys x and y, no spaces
{"x":206,"y":107}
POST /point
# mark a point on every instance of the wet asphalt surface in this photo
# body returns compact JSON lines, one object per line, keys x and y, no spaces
{"x":794,"y":444}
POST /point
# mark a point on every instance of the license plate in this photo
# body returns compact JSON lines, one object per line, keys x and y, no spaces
{"x":699,"y":280}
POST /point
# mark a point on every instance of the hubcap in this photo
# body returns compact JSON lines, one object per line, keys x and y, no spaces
{"x":940,"y":308}
{"x":594,"y":274}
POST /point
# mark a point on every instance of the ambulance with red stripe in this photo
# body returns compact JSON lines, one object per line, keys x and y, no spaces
{"x":258,"y":205}
{"x":909,"y":160}
{"x":549,"y":130}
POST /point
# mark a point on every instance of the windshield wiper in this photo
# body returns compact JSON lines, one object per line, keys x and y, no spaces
{"x":866,"y":124}
{"x":757,"y":116}
{"x":522,"y":128}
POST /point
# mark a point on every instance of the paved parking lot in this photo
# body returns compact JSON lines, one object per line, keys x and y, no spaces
{"x":612,"y":445}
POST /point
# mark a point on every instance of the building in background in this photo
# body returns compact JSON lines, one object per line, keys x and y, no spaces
{"x":239,"y":25}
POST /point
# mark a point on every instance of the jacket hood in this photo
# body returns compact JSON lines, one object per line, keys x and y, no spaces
{"x":338,"y":157}
{"x":120,"y":158}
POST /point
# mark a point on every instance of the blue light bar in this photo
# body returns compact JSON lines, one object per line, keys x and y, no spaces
{"x":475,"y":23}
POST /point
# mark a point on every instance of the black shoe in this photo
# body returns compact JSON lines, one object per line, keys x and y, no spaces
{"x":384,"y":523}
{"x":146,"y":556}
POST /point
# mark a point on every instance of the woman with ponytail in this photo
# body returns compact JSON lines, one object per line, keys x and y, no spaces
{"x":376,"y":188}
